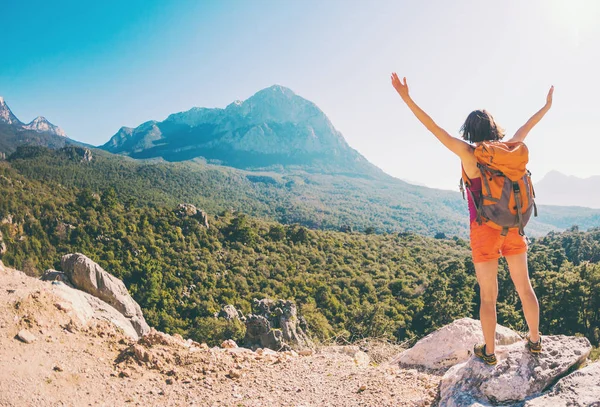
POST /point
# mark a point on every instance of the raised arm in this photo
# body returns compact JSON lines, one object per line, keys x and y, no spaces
{"x":458,"y":147}
{"x":526,"y":128}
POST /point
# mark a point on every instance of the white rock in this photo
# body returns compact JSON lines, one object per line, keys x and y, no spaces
{"x":451,"y":344}
{"x":518,"y":374}
{"x":580,"y":388}
{"x":25,"y":336}
{"x":265,"y":352}
{"x":86,"y":307}
{"x":361,"y":359}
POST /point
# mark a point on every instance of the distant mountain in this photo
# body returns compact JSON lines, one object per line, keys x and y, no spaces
{"x":42,"y":125}
{"x":40,"y":132}
{"x":274,"y":127}
{"x":565,"y":190}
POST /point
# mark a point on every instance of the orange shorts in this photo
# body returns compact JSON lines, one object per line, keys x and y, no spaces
{"x":488,"y":243}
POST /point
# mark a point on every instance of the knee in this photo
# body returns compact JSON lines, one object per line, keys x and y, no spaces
{"x":488,"y":298}
{"x":525,"y":290}
{"x":527,"y":294}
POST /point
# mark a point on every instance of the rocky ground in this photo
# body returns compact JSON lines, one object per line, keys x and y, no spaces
{"x":67,"y":363}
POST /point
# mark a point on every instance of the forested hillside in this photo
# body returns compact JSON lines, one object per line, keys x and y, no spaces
{"x":317,"y":201}
{"x":349,"y":285}
{"x":324,"y":201}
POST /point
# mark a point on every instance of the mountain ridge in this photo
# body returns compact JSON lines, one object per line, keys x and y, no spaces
{"x":39,"y":132}
{"x":557,"y":188}
{"x":39,"y":124}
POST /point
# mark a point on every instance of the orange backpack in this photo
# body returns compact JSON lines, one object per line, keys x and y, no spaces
{"x":507,"y":196}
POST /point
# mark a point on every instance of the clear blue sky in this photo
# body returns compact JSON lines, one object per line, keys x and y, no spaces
{"x":92,"y":67}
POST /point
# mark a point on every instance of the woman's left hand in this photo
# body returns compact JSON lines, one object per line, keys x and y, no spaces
{"x":401,"y":88}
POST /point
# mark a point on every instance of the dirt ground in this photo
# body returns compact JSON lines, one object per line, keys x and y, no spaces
{"x":95,"y":365}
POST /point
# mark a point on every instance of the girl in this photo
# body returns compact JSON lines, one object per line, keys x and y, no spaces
{"x":487,"y":243}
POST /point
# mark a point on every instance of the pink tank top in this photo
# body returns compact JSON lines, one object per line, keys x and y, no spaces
{"x":476,"y":190}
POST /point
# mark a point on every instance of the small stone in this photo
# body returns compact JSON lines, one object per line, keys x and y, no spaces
{"x":265,"y":352}
{"x":306,"y":352}
{"x":234,"y":374}
{"x":57,"y":368}
{"x":26,"y":336}
{"x":169,"y":381}
{"x":361,"y":359}
{"x":229,"y":344}
{"x":362,"y":388}
{"x":63,"y":306}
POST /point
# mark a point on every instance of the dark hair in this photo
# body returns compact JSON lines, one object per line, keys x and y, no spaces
{"x":480,"y":126}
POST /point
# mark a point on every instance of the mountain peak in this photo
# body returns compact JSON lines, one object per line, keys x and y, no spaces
{"x":6,"y":115}
{"x":276,"y":91}
{"x":42,"y":125}
{"x":275,"y":126}
{"x":279,"y":89}
{"x":40,"y":119}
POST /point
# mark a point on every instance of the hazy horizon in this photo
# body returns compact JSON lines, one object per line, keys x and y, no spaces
{"x":91,"y":69}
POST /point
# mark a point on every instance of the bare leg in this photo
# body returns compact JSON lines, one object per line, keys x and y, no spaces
{"x":519,"y":274}
{"x":487,"y":277}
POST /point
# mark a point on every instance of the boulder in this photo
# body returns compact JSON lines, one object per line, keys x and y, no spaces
{"x":275,"y":325}
{"x":580,"y":388}
{"x":3,"y":247}
{"x":85,"y":307}
{"x":229,"y":312}
{"x":260,"y":335}
{"x":188,"y":210}
{"x":88,"y":276}
{"x":517,"y":376}
{"x":451,"y":344}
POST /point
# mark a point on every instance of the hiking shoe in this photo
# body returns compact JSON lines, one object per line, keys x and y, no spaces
{"x":534,"y":347}
{"x":479,"y":351}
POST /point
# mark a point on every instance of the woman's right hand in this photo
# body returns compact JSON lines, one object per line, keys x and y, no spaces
{"x":549,"y":97}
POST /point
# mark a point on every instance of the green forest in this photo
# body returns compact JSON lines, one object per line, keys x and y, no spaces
{"x":348,"y":285}
{"x":304,"y":196}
